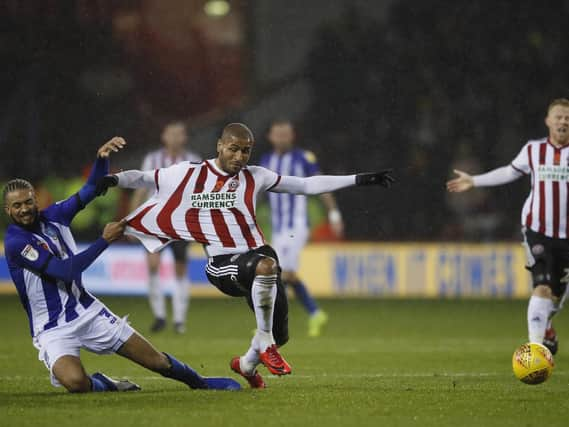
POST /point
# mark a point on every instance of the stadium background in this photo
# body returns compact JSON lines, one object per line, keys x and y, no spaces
{"x":368,"y":84}
{"x":426,"y":293}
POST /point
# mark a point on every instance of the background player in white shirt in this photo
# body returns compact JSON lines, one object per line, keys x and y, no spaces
{"x":214,"y":204}
{"x":63,"y":316}
{"x":174,"y":138}
{"x":545,"y":217}
{"x":289,"y":214}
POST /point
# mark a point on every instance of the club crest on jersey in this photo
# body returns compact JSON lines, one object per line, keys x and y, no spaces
{"x":537,"y":249}
{"x":30,"y":253}
{"x":233,"y":184}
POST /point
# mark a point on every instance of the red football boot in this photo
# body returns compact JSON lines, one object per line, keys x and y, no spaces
{"x":255,"y":380}
{"x":274,"y":362}
{"x":550,"y":340}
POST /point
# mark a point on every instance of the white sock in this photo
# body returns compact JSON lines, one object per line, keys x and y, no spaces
{"x":156,"y":297}
{"x":248,"y":363}
{"x":539,"y":310}
{"x":181,"y":300}
{"x":264,"y":294}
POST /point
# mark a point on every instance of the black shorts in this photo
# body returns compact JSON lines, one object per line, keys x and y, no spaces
{"x":179,"y":250}
{"x":234,"y":274}
{"x":548,"y":261}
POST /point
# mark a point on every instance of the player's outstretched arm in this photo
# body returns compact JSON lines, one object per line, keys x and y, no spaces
{"x":465,"y":182}
{"x":319,"y":184}
{"x":127,"y":179}
{"x":32,"y":256}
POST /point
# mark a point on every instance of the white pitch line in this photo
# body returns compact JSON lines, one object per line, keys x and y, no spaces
{"x":362,"y":376}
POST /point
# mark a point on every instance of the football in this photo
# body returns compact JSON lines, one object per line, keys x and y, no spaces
{"x":532,"y":363}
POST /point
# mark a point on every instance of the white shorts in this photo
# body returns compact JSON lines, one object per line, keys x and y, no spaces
{"x":288,"y":244}
{"x":98,"y":330}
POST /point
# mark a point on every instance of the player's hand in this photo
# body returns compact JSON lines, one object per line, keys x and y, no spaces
{"x":384,"y":178}
{"x":336,"y":223}
{"x":114,"y":230}
{"x":104,"y":183}
{"x":113,"y":146}
{"x":464,"y":182}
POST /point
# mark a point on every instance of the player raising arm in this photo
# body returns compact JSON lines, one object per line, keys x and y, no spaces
{"x":545,"y":221}
{"x":213,"y":203}
{"x":63,"y":316}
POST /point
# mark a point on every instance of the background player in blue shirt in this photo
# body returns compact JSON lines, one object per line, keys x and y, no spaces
{"x":64,"y":317}
{"x":289,"y":214}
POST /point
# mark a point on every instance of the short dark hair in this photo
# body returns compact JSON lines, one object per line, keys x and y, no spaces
{"x":15,"y":185}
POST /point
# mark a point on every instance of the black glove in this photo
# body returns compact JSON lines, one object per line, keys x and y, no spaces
{"x":105,"y":183}
{"x":383,"y":178}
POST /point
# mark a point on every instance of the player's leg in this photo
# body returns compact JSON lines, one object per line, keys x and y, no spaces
{"x":181,"y":294}
{"x":142,"y":352}
{"x":155,"y":293}
{"x":289,"y":250}
{"x":246,"y":365}
{"x":559,"y":290}
{"x":540,"y":263}
{"x":59,"y":349}
{"x":317,"y":317}
{"x":70,"y":373}
{"x":262,"y":299}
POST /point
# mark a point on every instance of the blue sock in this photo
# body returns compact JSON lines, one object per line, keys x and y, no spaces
{"x":182,"y":372}
{"x":98,"y":385}
{"x":304,"y":297}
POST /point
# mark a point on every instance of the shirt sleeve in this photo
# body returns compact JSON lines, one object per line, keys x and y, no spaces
{"x":138,"y":179}
{"x":521,"y":162}
{"x":314,"y":184}
{"x":503,"y":175}
{"x":265,"y":178}
{"x":27,"y":254}
{"x":64,"y":211}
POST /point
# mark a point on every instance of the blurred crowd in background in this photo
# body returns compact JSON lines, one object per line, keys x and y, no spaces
{"x":420,"y":86}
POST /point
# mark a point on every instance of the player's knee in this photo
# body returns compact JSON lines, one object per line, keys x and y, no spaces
{"x":543,"y":291}
{"x":266,"y":267}
{"x":76,"y":383}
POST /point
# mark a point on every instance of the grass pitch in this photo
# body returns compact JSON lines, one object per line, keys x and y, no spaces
{"x":389,"y":363}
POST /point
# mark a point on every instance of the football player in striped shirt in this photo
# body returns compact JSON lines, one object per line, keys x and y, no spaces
{"x":64,"y":317}
{"x":174,"y":138}
{"x":289,"y":215}
{"x":545,"y":217}
{"x":214,"y":204}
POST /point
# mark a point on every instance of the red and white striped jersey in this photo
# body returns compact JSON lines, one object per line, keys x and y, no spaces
{"x":545,"y":210}
{"x":202,"y":203}
{"x":161,"y":159}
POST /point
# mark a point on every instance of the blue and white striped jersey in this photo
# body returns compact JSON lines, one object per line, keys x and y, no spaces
{"x":48,"y":302}
{"x":289,"y":212}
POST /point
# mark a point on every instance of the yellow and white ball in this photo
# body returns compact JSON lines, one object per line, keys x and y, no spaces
{"x":532,"y":363}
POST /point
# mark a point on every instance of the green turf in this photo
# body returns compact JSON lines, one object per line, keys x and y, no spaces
{"x":389,"y":363}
